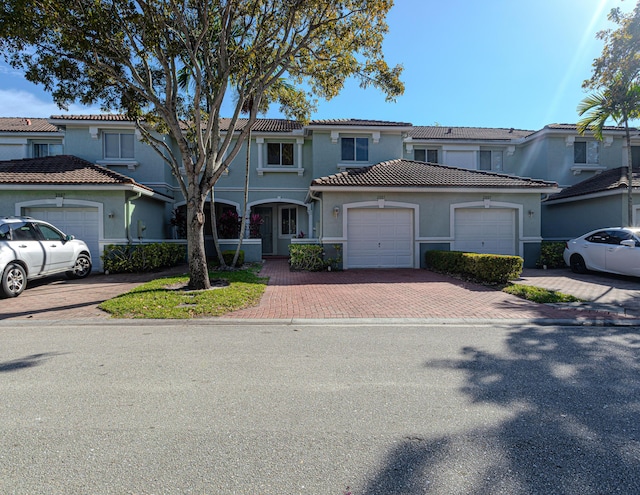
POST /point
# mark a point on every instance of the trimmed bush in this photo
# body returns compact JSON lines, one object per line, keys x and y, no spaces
{"x":483,"y":268}
{"x":551,"y":255}
{"x":142,"y":257}
{"x":307,"y":257}
{"x":228,"y":255}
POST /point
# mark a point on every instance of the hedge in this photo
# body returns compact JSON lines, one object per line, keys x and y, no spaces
{"x":484,"y":268}
{"x":228,"y":255}
{"x":142,"y":257}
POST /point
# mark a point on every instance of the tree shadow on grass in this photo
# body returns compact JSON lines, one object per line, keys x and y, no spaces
{"x":574,"y":425}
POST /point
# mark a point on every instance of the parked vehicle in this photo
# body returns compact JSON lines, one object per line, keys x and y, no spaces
{"x":31,"y":249}
{"x":613,"y":250}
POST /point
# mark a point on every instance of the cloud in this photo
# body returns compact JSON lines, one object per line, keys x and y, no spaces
{"x":20,"y":103}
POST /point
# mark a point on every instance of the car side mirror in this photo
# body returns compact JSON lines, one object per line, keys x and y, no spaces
{"x":69,"y":238}
{"x":628,"y":243}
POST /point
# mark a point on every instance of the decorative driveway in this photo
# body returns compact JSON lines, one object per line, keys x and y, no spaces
{"x":401,"y":293}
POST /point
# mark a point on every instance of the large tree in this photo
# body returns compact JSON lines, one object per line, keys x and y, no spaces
{"x":129,"y":56}
{"x":615,"y":80}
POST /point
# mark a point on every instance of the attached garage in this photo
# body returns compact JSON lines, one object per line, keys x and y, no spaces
{"x":380,"y":238}
{"x":82,"y":223}
{"x":390,"y":214}
{"x":485,"y":230}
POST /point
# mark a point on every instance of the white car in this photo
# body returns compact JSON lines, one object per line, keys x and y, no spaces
{"x":31,"y":249}
{"x":613,"y":250}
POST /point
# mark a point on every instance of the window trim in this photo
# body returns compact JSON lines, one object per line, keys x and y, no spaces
{"x":355,"y":140}
{"x":281,"y":144}
{"x":120,"y":135}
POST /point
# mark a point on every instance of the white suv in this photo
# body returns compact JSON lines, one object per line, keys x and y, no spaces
{"x":31,"y":249}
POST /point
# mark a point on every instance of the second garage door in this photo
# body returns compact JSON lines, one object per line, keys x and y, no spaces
{"x":485,"y":230}
{"x":380,"y":238}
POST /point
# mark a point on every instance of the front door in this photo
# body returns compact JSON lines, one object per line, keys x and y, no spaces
{"x":266,"y":229}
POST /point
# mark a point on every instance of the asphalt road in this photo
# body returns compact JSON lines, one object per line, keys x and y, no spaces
{"x":200,"y":408}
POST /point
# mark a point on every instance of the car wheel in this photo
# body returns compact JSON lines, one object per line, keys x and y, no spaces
{"x":577,"y":264}
{"x":14,"y":280}
{"x":82,"y":268}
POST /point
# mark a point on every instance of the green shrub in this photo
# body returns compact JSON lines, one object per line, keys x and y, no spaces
{"x":307,"y":257}
{"x":551,"y":255}
{"x":484,"y":268}
{"x":142,"y":257}
{"x":228,"y":258}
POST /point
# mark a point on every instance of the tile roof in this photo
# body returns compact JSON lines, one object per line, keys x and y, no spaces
{"x":474,"y":133}
{"x":111,"y":117}
{"x":409,"y":173}
{"x":359,"y":122}
{"x":58,"y":170}
{"x":608,"y":180}
{"x":574,"y":127}
{"x":22,"y":124}
{"x":263,"y":125}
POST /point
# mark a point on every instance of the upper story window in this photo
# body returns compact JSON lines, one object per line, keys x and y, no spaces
{"x":586,"y":152}
{"x":423,"y":155}
{"x":118,"y":145}
{"x":355,"y":149}
{"x":490,"y":160}
{"x":41,"y":150}
{"x":280,"y":154}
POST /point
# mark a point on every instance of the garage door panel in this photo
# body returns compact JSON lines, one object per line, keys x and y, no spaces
{"x":82,"y":223}
{"x":485,"y":230}
{"x":380,"y":238}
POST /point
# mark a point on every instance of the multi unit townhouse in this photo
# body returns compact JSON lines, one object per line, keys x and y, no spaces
{"x":380,"y":192}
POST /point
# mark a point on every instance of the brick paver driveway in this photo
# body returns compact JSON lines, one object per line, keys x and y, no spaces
{"x":401,"y":293}
{"x":395,"y":293}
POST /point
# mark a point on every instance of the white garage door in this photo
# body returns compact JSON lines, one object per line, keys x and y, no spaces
{"x":380,"y":238}
{"x":82,"y":223}
{"x":485,"y":230}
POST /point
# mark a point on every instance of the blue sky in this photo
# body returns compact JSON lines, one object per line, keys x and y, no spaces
{"x":490,"y":63}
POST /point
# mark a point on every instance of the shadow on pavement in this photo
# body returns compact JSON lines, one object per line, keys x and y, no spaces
{"x":574,"y":395}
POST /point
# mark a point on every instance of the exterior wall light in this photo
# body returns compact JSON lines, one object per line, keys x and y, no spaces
{"x":336,"y":211}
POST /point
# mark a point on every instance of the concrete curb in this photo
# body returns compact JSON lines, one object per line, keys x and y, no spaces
{"x":573,"y":322}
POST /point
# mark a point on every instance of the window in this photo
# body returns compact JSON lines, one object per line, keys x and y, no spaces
{"x":118,"y":145}
{"x":420,"y":155}
{"x":288,"y":224}
{"x":280,"y":154}
{"x":490,"y":160}
{"x":45,"y":149}
{"x":432,"y":156}
{"x":355,"y":149}
{"x":586,"y":152}
{"x":50,"y":234}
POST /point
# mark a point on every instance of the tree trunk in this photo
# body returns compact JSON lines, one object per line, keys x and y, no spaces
{"x":214,"y":231}
{"x":198,"y":270}
{"x":245,"y":212}
{"x":630,"y":221}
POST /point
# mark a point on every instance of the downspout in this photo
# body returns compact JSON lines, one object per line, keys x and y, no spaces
{"x":319,"y":200}
{"x":127,"y":213}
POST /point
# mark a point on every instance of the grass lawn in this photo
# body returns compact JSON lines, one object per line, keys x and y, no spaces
{"x":538,"y":294}
{"x":166,"y":297}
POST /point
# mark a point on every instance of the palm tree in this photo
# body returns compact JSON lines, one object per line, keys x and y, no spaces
{"x":619,"y":101}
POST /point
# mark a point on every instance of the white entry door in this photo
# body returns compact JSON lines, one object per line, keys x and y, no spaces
{"x":82,"y":223}
{"x":380,"y":238}
{"x":485,"y":230}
